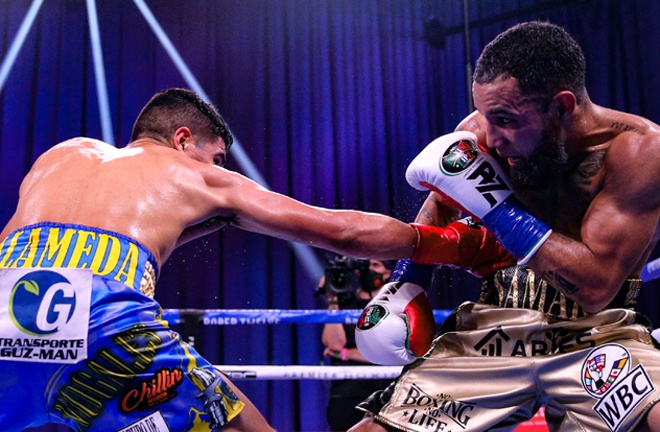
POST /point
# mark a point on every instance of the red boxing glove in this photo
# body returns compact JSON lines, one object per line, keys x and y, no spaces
{"x":463,"y":244}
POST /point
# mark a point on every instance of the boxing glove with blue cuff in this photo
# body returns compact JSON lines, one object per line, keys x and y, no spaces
{"x":398,"y":326}
{"x":454,"y":166}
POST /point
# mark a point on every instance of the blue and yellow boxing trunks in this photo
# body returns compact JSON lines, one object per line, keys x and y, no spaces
{"x":82,"y":342}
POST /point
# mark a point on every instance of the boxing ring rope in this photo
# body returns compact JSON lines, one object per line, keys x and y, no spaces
{"x":193,"y":319}
{"x":272,"y":316}
{"x":296,"y":372}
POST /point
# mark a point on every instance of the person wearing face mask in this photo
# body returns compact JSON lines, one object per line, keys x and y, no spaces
{"x":349,"y":284}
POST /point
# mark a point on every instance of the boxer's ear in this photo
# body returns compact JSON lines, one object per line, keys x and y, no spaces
{"x":182,"y":137}
{"x":563,"y":104}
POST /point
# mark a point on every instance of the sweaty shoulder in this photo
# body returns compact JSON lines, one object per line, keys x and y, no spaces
{"x":633,"y":158}
{"x":82,"y":143}
{"x":635,"y":140}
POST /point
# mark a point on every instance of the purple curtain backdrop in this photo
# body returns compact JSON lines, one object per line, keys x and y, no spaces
{"x":330,"y":98}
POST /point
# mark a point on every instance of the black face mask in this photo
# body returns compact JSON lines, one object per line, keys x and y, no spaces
{"x":371,"y":281}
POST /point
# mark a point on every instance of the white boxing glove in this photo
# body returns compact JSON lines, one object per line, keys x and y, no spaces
{"x":397,"y":326}
{"x":454,"y":166}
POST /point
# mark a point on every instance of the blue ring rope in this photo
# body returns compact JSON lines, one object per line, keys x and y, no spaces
{"x":213,"y":317}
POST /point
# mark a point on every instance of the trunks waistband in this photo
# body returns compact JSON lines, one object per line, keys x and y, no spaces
{"x":519,"y":287}
{"x":110,"y":255}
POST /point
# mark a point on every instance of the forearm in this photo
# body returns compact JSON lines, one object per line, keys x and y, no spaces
{"x":334,"y":337}
{"x":346,"y":232}
{"x":435,"y":212}
{"x":365,"y":235}
{"x":571,"y":267}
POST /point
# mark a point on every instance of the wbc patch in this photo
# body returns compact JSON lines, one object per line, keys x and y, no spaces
{"x":607,"y":376}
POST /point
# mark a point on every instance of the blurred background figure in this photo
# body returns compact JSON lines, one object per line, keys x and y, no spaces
{"x":349,"y":284}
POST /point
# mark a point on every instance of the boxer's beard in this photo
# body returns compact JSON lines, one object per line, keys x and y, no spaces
{"x":543,"y":167}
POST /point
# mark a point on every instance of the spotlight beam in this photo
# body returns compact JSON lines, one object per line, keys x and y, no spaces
{"x":304,"y":253}
{"x":17,"y":43}
{"x":99,"y":72}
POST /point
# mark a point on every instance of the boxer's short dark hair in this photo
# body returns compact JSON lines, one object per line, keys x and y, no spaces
{"x":170,"y":109}
{"x":542,"y":57}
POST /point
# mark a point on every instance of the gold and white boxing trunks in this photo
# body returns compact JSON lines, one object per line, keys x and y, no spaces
{"x":493,"y":367}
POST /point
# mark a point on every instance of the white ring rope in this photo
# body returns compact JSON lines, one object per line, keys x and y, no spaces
{"x":294,"y":372}
{"x":213,"y":317}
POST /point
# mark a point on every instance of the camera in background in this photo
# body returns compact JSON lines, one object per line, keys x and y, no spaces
{"x":344,"y":277}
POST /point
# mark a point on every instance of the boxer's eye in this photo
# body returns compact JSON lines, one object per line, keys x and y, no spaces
{"x":504,"y":121}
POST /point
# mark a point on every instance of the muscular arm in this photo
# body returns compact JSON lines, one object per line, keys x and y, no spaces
{"x":347,"y":232}
{"x":618,"y":230}
{"x":202,"y":229}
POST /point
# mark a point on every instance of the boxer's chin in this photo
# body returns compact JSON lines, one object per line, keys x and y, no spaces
{"x":543,"y":167}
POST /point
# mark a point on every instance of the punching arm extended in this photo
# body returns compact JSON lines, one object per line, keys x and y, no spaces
{"x":348,"y":232}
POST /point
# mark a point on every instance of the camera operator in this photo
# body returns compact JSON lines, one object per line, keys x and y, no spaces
{"x":349,"y":284}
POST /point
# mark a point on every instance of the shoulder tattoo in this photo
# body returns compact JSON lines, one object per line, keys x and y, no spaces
{"x":623,"y":127}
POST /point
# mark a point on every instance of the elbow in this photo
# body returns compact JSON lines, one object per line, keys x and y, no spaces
{"x":592,"y":307}
{"x":595,"y":298}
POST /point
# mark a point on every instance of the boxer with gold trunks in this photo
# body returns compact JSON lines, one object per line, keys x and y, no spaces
{"x":570,"y":189}
{"x":523,"y":346}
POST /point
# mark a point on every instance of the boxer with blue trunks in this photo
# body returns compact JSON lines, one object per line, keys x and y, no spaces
{"x":81,"y":332}
{"x":81,"y":340}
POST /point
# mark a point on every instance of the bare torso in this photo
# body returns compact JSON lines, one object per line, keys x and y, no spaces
{"x":146,"y":192}
{"x":565,"y":202}
{"x":163,"y":197}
